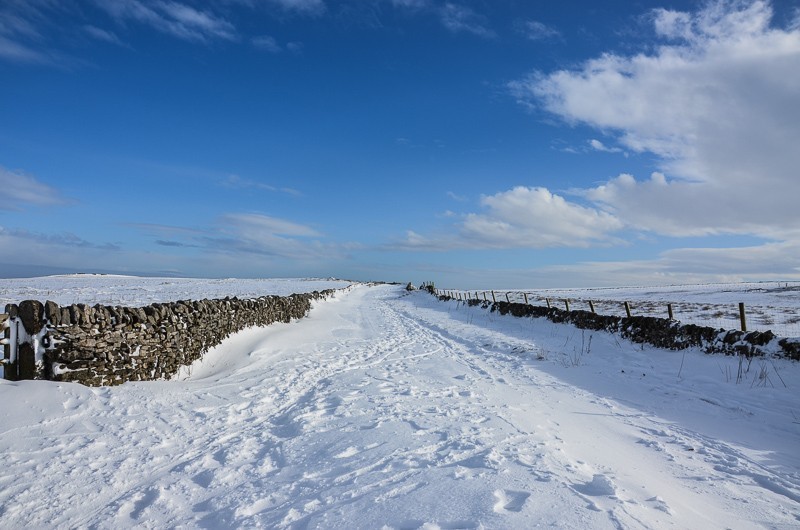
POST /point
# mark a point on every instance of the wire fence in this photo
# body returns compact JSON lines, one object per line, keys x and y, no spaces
{"x":783,"y":320}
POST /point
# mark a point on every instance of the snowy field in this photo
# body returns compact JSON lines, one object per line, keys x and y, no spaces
{"x":135,"y":291}
{"x":769,"y":305}
{"x":385,"y":409}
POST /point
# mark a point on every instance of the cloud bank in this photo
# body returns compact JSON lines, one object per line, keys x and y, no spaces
{"x":717,"y":101}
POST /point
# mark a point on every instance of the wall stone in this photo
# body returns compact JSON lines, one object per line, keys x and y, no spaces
{"x":659,"y":332}
{"x":109,"y":345}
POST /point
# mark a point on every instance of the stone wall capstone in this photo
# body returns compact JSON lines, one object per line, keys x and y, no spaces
{"x":109,"y":345}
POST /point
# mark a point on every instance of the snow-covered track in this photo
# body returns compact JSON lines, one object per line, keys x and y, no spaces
{"x":389,"y":409}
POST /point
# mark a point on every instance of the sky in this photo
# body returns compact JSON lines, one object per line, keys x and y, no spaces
{"x":476,"y":144}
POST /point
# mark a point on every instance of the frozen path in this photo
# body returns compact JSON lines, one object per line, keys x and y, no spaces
{"x":381,"y":410}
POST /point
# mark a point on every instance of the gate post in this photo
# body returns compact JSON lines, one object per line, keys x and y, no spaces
{"x":9,"y":350}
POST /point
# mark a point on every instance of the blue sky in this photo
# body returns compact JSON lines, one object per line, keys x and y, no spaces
{"x":476,"y":144}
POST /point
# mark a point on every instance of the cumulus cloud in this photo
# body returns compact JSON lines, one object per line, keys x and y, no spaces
{"x":525,"y":218}
{"x":716,"y":102}
{"x":19,"y":188}
{"x":536,"y":218}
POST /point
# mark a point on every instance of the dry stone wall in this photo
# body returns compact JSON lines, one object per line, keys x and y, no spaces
{"x":659,"y":332}
{"x":109,"y":345}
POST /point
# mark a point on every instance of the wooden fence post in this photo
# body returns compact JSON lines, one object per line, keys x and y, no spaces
{"x":669,"y":311}
{"x":507,"y":300}
{"x":742,"y":316}
{"x":526,"y":298}
{"x":591,"y":306}
{"x":628,"y":309}
{"x":566,"y":303}
{"x":548,"y":302}
{"x":494,"y":300}
{"x":484,"y":297}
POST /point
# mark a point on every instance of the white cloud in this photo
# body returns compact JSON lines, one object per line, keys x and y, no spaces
{"x":267,"y":44}
{"x":101,"y":34}
{"x":237,"y":182}
{"x":254,"y":224}
{"x":20,"y":38}
{"x":525,"y":218}
{"x":458,"y":18}
{"x":410,"y":4}
{"x":597,"y":145}
{"x":174,"y":18}
{"x":303,"y":6}
{"x":21,"y":188}
{"x":537,"y":218}
{"x":717,"y":102}
{"x":770,"y":261}
{"x":16,"y":51}
{"x":250,"y":236}
{"x":535,"y":30}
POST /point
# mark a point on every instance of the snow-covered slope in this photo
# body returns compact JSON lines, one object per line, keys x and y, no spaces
{"x":384,"y":409}
{"x":137,"y":291}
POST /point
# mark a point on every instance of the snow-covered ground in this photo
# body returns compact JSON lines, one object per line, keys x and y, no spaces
{"x":136,"y":291}
{"x":385,"y":409}
{"x":768,"y":305}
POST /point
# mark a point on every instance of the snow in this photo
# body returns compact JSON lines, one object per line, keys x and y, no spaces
{"x":387,"y":409}
{"x":136,"y":291}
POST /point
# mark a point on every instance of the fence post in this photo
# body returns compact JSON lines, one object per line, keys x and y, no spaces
{"x":591,"y":306}
{"x":566,"y":303}
{"x":494,"y":300}
{"x":507,"y":300}
{"x":742,"y":317}
{"x":484,"y":297}
{"x":548,"y":302}
{"x":628,"y":309}
{"x":669,"y":311}
{"x":526,"y":298}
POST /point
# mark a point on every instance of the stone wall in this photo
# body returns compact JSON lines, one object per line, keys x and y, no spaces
{"x":659,"y":332}
{"x":105,"y":345}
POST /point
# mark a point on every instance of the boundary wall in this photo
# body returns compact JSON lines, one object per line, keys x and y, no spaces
{"x":109,"y":345}
{"x":659,"y":332}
